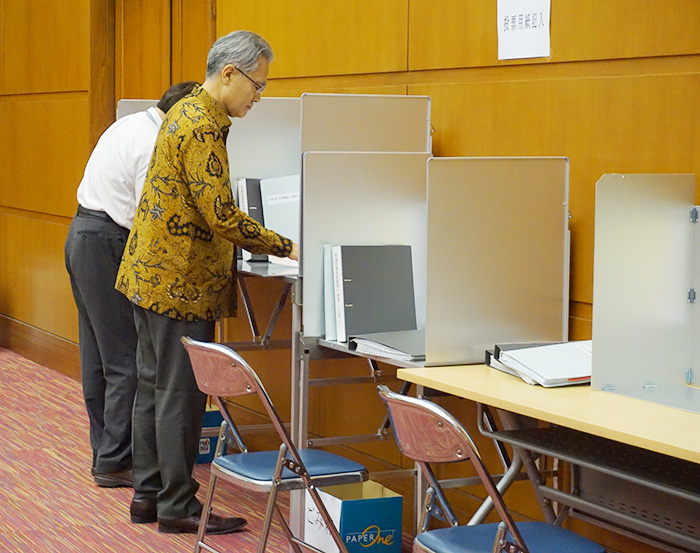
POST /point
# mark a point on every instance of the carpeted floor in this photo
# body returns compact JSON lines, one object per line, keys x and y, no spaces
{"x":48,"y":501}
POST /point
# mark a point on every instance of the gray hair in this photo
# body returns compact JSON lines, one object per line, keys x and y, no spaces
{"x":241,"y":49}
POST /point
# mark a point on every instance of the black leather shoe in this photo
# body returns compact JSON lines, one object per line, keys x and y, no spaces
{"x":143,"y":511}
{"x":190,"y":525}
{"x":121,"y":479}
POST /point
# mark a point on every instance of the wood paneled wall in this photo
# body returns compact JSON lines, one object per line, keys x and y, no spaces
{"x":617,"y":94}
{"x":159,"y":43}
{"x":336,"y":38}
{"x":143,"y":45}
{"x":65,"y":64}
{"x":56,"y":84}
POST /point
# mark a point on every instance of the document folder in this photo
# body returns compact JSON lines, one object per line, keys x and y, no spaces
{"x":551,"y":365}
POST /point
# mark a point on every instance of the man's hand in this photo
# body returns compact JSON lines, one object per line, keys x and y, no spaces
{"x":294,"y":254}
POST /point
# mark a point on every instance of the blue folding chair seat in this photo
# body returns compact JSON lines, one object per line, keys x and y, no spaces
{"x":256,"y":469}
{"x":540,"y":538}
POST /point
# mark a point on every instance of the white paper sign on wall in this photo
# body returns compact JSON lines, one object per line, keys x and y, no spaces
{"x":523,"y":29}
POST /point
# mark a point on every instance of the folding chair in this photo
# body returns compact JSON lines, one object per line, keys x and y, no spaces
{"x":426,"y":433}
{"x":221,"y":372}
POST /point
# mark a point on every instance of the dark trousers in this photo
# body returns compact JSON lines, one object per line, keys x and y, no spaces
{"x":93,"y":251}
{"x":168,"y":413}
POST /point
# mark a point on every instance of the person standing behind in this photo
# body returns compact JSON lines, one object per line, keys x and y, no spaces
{"x":107,"y":199}
{"x":179,"y":272}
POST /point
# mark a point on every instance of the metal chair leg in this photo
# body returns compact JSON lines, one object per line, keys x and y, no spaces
{"x":204,"y":517}
{"x":293,"y":540}
{"x":272,"y":498}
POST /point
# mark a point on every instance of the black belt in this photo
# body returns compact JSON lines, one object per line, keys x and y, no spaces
{"x":92,"y":213}
{"x":84,"y":211}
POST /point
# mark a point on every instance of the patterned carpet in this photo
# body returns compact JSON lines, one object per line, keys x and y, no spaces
{"x":48,"y":499}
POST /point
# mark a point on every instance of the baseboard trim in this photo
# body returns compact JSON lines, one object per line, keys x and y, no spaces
{"x":40,"y":346}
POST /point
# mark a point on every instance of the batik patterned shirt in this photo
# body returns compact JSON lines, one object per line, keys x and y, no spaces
{"x":180,"y":256}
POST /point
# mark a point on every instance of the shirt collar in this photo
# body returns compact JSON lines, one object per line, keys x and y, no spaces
{"x":154,"y":116}
{"x":215,"y":109}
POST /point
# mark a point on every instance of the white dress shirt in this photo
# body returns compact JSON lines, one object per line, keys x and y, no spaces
{"x":115,"y":173}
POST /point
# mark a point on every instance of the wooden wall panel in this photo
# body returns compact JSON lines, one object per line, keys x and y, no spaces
{"x":464,"y":38}
{"x":580,"y":30}
{"x":101,"y":92}
{"x":47,"y":52}
{"x":603,"y":124}
{"x":4,"y":292}
{"x":142,"y":48}
{"x":56,"y":97}
{"x":611,"y":29}
{"x":43,"y":173}
{"x":580,"y":321}
{"x":297,"y":87}
{"x":2,"y":45}
{"x":36,"y":288}
{"x":337,"y":37}
{"x":40,"y":346}
{"x":193,"y":32}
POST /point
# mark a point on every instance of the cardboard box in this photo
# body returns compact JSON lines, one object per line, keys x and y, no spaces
{"x":210,"y":434}
{"x":367,"y":514}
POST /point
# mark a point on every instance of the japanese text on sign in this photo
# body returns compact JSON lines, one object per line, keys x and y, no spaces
{"x":523,"y":29}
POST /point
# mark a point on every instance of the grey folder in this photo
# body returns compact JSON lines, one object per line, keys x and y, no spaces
{"x":374,"y":289}
{"x":250,"y":201}
{"x":404,"y":345}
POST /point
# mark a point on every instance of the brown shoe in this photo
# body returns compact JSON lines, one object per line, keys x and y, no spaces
{"x":143,"y":511}
{"x":190,"y":525}
{"x":121,"y":479}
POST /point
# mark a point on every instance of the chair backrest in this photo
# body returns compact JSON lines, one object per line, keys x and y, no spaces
{"x":427,"y":433}
{"x":424,"y":433}
{"x":221,"y":372}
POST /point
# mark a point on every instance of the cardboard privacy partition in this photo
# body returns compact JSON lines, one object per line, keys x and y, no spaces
{"x":646,"y":327}
{"x":367,"y":515}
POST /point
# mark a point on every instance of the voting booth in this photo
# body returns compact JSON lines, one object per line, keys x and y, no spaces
{"x":489,"y":237}
{"x":646,"y":324}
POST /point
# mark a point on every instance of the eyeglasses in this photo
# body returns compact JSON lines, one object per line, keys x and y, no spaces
{"x":259,"y":88}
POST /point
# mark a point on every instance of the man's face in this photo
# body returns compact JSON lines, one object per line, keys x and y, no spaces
{"x":239,"y":92}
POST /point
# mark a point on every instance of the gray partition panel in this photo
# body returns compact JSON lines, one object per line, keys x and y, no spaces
{"x":360,"y":198}
{"x":267,"y":141}
{"x":365,"y":123}
{"x":497,"y":255}
{"x":644,"y":254}
{"x":127,"y":106}
{"x":270,"y":139}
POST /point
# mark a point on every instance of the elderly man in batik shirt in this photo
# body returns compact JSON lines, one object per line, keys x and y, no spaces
{"x":179,"y":273}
